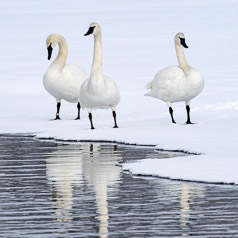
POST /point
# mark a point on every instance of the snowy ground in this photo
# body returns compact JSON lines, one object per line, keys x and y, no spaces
{"x":137,"y":42}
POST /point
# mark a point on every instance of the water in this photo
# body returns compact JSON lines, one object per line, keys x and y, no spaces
{"x":79,"y":190}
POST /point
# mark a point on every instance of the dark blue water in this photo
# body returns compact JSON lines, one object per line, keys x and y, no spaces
{"x":80,"y":190}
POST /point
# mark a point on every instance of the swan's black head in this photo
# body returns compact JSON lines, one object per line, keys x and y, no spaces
{"x":90,"y":30}
{"x":182,"y":42}
{"x":50,"y":49}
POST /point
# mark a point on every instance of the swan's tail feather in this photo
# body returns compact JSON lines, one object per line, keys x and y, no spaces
{"x":149,"y":87}
{"x":148,"y":94}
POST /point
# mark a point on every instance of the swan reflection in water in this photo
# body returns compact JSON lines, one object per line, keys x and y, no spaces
{"x":75,"y":169}
{"x":64,"y":170}
{"x":73,"y":166}
{"x":189,"y":192}
{"x":185,"y":199}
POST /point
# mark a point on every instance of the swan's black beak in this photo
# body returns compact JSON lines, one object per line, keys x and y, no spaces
{"x":183,"y":43}
{"x":50,"y":49}
{"x":90,"y":30}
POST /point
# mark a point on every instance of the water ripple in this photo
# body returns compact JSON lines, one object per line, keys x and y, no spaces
{"x":79,"y":190}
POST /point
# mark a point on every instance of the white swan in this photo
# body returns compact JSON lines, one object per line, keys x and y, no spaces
{"x":98,"y":91}
{"x":175,"y":84}
{"x":60,"y":80}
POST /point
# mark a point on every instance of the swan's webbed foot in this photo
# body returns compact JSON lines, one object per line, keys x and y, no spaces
{"x":57,"y":118}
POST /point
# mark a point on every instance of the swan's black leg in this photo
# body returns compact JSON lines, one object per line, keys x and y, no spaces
{"x":171,"y":114}
{"x":79,"y":107}
{"x":58,"y":110}
{"x":188,"y":115}
{"x":115,"y":119}
{"x":91,"y":120}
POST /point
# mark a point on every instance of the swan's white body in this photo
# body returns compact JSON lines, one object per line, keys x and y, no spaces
{"x":64,"y":83}
{"x":175,"y":84}
{"x":172,"y":84}
{"x":60,"y":80}
{"x":98,"y":91}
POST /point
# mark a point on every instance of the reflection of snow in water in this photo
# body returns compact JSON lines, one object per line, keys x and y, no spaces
{"x":70,"y":165}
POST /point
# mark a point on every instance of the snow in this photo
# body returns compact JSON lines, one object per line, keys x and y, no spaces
{"x":137,"y":43}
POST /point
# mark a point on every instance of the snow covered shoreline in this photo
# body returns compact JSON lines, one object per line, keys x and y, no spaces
{"x":149,"y":167}
{"x":137,"y":43}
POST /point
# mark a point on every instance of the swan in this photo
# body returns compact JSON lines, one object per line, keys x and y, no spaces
{"x":175,"y":84}
{"x":98,"y":91}
{"x":60,"y":80}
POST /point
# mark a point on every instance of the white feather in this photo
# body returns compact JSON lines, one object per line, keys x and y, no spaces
{"x":175,"y":84}
{"x":172,"y":84}
{"x":99,"y":91}
{"x":60,"y":80}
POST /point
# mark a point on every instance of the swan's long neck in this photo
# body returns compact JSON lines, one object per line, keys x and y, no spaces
{"x":183,"y":64}
{"x":62,"y":55}
{"x":97,"y":57}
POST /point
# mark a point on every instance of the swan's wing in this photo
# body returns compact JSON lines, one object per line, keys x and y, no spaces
{"x":70,"y":82}
{"x":168,"y":77}
{"x":99,"y":93}
{"x":166,"y":84}
{"x":73,"y":72}
{"x":112,"y":90}
{"x":110,"y":83}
